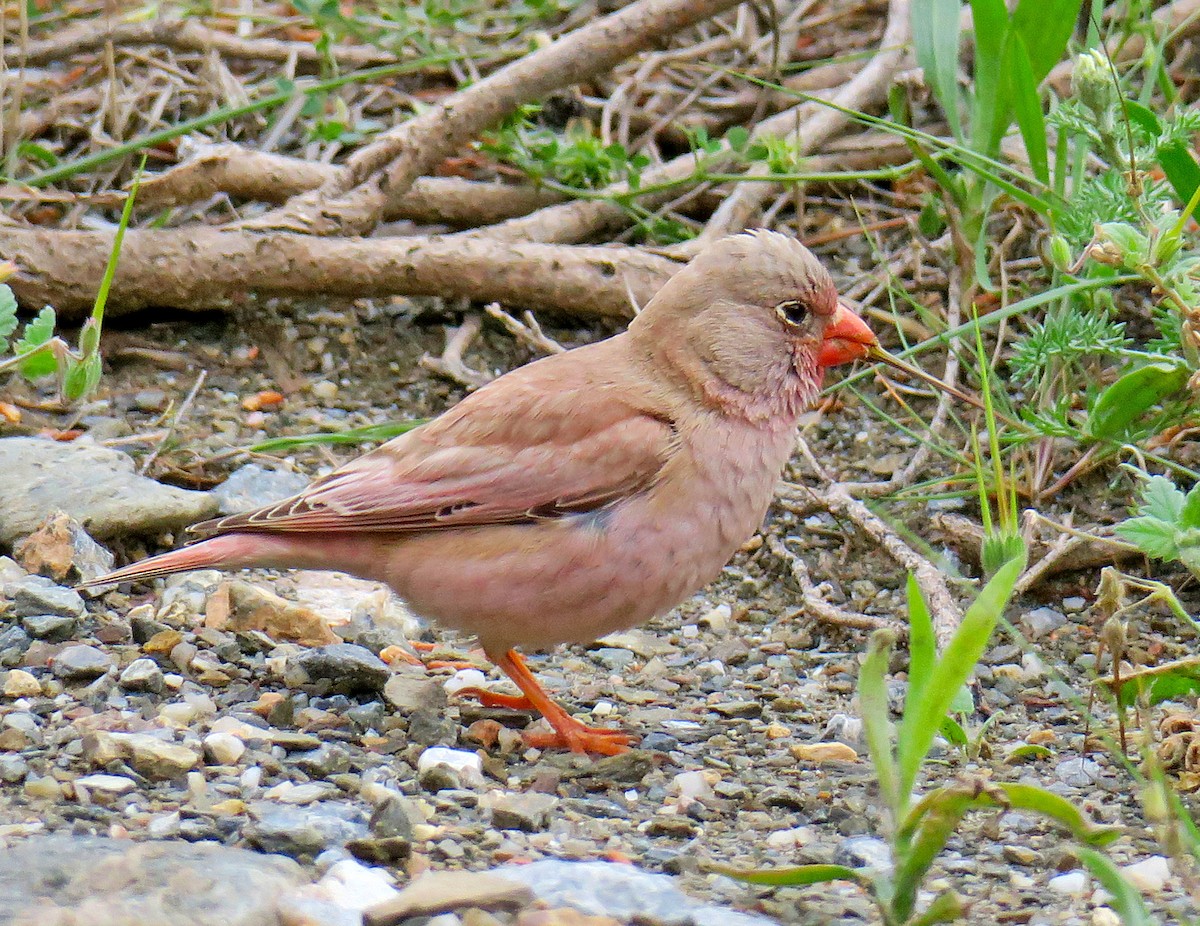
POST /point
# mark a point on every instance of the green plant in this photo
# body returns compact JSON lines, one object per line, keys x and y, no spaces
{"x":1167,"y":526}
{"x":919,"y":828}
{"x":1013,"y":53}
{"x":39,"y":352}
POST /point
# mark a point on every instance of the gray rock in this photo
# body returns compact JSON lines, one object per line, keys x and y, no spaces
{"x":142,"y":675}
{"x":1041,"y":621}
{"x":63,"y":551}
{"x":1077,"y":772}
{"x":529,"y":811}
{"x":149,"y":755}
{"x":94,"y":485}
{"x":55,"y":880}
{"x":81,"y":662}
{"x":52,"y":627}
{"x":13,"y":643}
{"x":253,"y":486}
{"x":622,"y":892}
{"x":13,"y":768}
{"x":38,"y":595}
{"x":864,"y":852}
{"x":303,"y":831}
{"x":409,"y":693}
{"x":322,"y":762}
{"x":351,"y":668}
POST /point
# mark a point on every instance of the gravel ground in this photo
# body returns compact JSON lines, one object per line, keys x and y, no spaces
{"x":150,"y":717}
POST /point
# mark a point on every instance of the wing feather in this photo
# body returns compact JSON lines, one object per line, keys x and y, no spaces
{"x":520,"y":450}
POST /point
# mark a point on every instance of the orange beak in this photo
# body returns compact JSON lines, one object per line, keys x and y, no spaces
{"x":847,"y":338}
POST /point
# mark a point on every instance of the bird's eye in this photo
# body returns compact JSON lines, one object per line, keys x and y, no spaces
{"x":792,"y":313}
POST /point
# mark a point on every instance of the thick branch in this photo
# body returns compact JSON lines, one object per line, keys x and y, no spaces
{"x":385,"y":170}
{"x":205,"y":268}
{"x":247,"y":174}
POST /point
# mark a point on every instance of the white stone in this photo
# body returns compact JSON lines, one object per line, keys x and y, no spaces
{"x":1105,"y":916}
{"x":223,"y":748}
{"x":1150,"y":875}
{"x":355,"y":886}
{"x":109,"y":784}
{"x":694,"y":785}
{"x":464,"y":678}
{"x":1073,"y":883}
{"x":468,"y":765}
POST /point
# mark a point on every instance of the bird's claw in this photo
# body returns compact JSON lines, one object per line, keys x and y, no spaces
{"x":581,"y":738}
{"x":493,"y":699}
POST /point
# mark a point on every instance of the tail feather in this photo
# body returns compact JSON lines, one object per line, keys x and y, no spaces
{"x":215,"y":553}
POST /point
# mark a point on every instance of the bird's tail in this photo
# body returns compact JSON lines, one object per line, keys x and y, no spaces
{"x":229,"y":551}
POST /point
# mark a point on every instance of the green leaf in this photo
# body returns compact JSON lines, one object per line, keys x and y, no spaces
{"x":990,"y":109}
{"x":1027,"y":106}
{"x":1162,"y":500}
{"x":372,"y":433}
{"x":791,"y":877}
{"x":953,"y":733}
{"x":8,"y":315}
{"x":1045,"y":26}
{"x":1144,"y":117}
{"x":922,"y":649}
{"x":1160,"y":683}
{"x":1131,"y":396}
{"x":1060,"y":810}
{"x":1126,"y":900}
{"x":873,"y":700}
{"x":1028,"y":751}
{"x":935,"y":35}
{"x":1189,"y":517}
{"x":929,"y":827}
{"x":1155,"y":538}
{"x":737,"y":137}
{"x":37,"y":335}
{"x":1183,"y":173}
{"x":947,"y":907}
{"x":922,"y":723}
{"x":964,"y":701}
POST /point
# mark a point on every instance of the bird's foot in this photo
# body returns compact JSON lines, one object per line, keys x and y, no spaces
{"x":579,"y":737}
{"x":493,"y":699}
{"x":568,"y":733}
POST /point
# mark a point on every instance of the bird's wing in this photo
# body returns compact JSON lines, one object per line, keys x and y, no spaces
{"x":504,"y":455}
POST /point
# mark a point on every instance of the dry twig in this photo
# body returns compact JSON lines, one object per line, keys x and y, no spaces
{"x":834,"y":499}
{"x":190,"y":35}
{"x":814,"y":603}
{"x":383,"y":171}
{"x":813,"y":123}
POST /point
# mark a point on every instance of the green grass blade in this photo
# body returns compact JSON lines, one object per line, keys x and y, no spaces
{"x":951,"y":672}
{"x":1126,"y":900}
{"x":373,"y":433}
{"x":1045,"y":26}
{"x":790,"y":877}
{"x":935,"y":35}
{"x":1027,"y":107}
{"x":873,"y":700}
{"x":922,"y":649}
{"x":990,"y":109}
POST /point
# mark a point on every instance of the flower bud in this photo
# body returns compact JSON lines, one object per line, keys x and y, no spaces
{"x":1060,"y":253}
{"x":1092,"y":84}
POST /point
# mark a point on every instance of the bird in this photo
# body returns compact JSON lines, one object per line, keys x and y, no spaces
{"x":583,"y":493}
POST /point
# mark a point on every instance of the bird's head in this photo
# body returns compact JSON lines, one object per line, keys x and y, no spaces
{"x":754,"y":315}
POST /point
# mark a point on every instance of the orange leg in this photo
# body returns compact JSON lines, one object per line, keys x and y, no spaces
{"x":569,"y":733}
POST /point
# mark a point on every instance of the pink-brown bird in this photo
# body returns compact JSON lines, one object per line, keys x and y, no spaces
{"x":584,"y":493}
